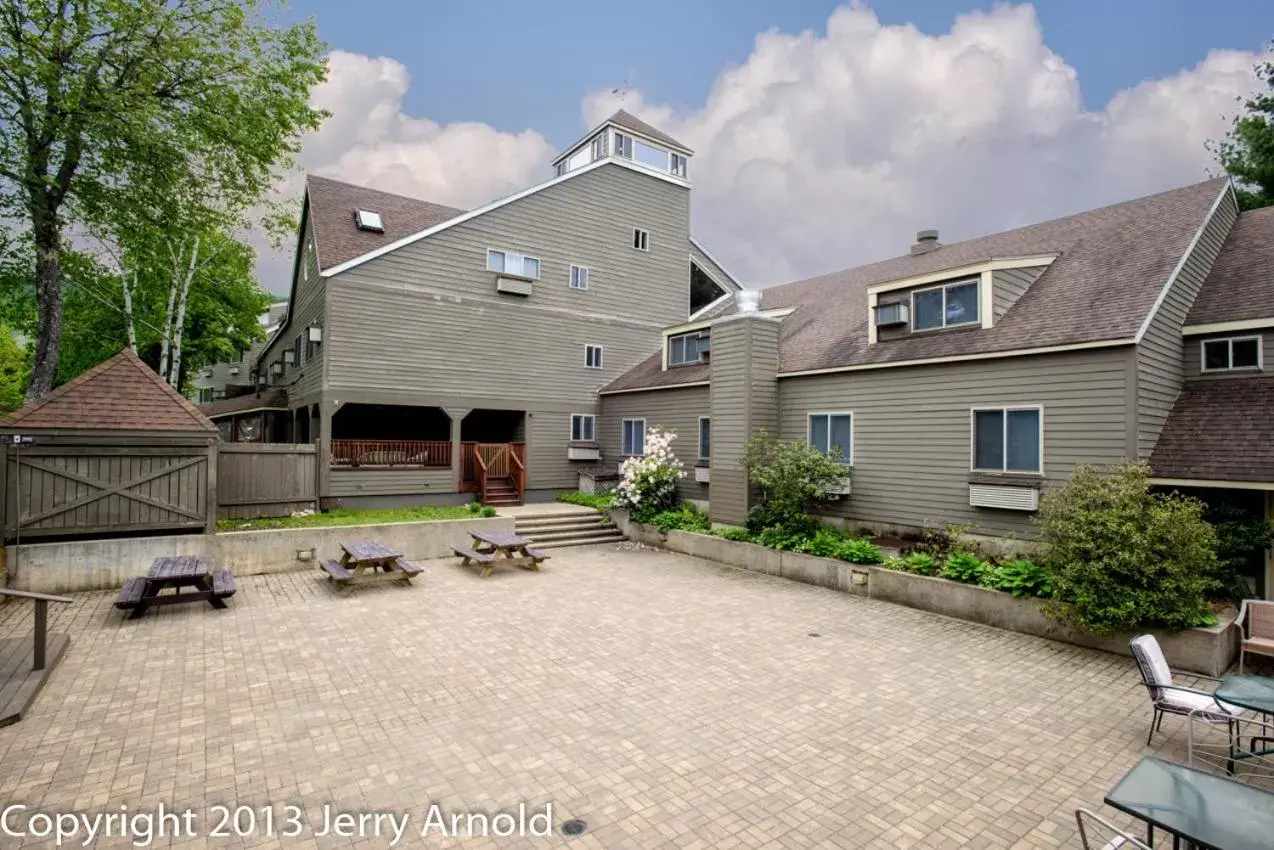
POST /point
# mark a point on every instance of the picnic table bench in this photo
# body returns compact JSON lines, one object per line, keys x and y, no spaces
{"x":367,"y":560}
{"x":492,"y":547}
{"x":210,"y":585}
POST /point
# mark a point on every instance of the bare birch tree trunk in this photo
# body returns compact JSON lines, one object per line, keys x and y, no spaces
{"x":166,"y":342}
{"x":128,"y":308}
{"x":179,"y":322}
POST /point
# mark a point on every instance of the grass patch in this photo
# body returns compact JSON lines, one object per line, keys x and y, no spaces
{"x":345,"y":516}
{"x":600,"y":501}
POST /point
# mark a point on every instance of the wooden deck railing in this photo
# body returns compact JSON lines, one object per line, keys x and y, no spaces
{"x":404,"y":454}
{"x":483,"y":461}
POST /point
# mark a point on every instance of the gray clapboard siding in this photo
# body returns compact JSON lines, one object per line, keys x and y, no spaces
{"x":547,"y":467}
{"x":1008,"y":285}
{"x":1161,"y":367}
{"x":427,"y":316}
{"x":388,"y":482}
{"x":1194,"y":356}
{"x":305,"y":380}
{"x":911,"y":429}
{"x":678,"y":409}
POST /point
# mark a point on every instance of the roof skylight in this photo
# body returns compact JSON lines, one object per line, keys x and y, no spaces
{"x":368,"y":220}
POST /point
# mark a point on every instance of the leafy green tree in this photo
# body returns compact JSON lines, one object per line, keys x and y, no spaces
{"x":1247,"y":153}
{"x":111,"y":109}
{"x":1125,"y":557}
{"x":13,"y":371}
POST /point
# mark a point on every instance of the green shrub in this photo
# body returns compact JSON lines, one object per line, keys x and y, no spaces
{"x":685,"y":518}
{"x":740,"y":535}
{"x":1021,"y":578}
{"x":860,"y":550}
{"x":600,"y":501}
{"x":788,"y":476}
{"x":921,"y":563}
{"x":479,"y":509}
{"x":895,"y":563}
{"x":825,"y":543}
{"x":965,"y":567}
{"x":781,"y":539}
{"x":648,"y":483}
{"x":1124,"y":557}
{"x":1241,"y":543}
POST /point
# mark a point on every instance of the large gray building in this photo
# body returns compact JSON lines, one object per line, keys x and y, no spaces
{"x":432,"y":351}
{"x":960,"y":381}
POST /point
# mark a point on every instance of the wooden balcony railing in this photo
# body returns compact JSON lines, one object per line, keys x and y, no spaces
{"x":483,"y":461}
{"x":395,"y":454}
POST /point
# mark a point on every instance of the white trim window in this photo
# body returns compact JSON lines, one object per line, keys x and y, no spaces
{"x":593,"y":356}
{"x":678,"y":165}
{"x":833,"y":433}
{"x":583,"y":427}
{"x":632,"y":437}
{"x":705,"y":438}
{"x":1232,"y":354}
{"x":598,"y":146}
{"x":579,"y":277}
{"x":623,"y":145}
{"x":641,"y":239}
{"x":687,"y":348}
{"x":950,"y":305}
{"x":1007,"y":439}
{"x":507,"y":262}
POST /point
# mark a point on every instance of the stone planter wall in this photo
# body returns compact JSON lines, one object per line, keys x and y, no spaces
{"x":1205,"y":650}
{"x":105,"y":564}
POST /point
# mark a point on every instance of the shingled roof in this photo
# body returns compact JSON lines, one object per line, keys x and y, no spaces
{"x":274,"y":398}
{"x":333,"y":205}
{"x":1219,"y":430}
{"x":120,"y":394}
{"x":1111,"y":265}
{"x":632,"y":122}
{"x":1241,"y":283}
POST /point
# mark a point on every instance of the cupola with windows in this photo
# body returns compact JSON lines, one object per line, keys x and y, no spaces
{"x":626,"y":137}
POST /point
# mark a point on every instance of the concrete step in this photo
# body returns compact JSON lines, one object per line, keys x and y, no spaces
{"x":558,"y":524}
{"x":571,"y":534}
{"x":574,"y":513}
{"x":579,"y":541}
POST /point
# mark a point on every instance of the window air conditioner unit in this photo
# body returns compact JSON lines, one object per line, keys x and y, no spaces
{"x":234,"y":369}
{"x":890,"y":315}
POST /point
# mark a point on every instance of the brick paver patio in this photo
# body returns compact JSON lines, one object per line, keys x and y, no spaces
{"x":667,"y":701}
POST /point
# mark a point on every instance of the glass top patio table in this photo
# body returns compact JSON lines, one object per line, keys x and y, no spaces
{"x":1253,"y":692}
{"x":1211,"y":811}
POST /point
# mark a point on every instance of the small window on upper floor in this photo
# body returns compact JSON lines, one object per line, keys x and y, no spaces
{"x":205,"y":395}
{"x":678,"y":165}
{"x":624,"y":145}
{"x":688,"y":348}
{"x":599,"y":146}
{"x":1232,"y":354}
{"x":641,"y":239}
{"x":593,"y":356}
{"x":945,"y":306}
{"x":579,"y":277}
{"x":506,"y":262}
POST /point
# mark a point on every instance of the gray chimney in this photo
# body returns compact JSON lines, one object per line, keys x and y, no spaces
{"x":926,"y":241}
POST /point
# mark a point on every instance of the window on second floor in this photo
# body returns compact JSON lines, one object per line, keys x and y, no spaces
{"x":632,"y":437}
{"x":678,"y":163}
{"x":583,"y":427}
{"x":623,"y":145}
{"x":579,"y":277}
{"x":705,"y":438}
{"x":945,"y":306}
{"x":833,"y":433}
{"x":593,"y":356}
{"x":687,"y":348}
{"x":641,"y":239}
{"x":1232,"y":354}
{"x":507,"y":262}
{"x":298,"y":351}
{"x":1008,"y":439}
{"x":205,"y":395}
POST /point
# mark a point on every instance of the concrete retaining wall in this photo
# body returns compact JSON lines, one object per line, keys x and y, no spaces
{"x":105,"y":564}
{"x":1206,"y":650}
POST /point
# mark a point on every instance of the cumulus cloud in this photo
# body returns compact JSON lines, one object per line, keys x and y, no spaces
{"x":825,"y":150}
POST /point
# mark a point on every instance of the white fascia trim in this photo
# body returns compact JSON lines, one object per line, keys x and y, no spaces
{"x":734,"y":280}
{"x":1218,"y":485}
{"x":1181,"y":263}
{"x":215,"y":416}
{"x":697,"y":313}
{"x":961,"y":358}
{"x":777,"y":312}
{"x":655,"y":389}
{"x":1227,"y":327}
{"x":611,"y":125}
{"x":495,"y":205}
{"x":991,"y":264}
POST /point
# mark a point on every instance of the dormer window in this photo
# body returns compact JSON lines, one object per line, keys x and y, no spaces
{"x":946,"y":306}
{"x":678,"y":165}
{"x":370,"y":221}
{"x":624,"y":145}
{"x":688,"y":348}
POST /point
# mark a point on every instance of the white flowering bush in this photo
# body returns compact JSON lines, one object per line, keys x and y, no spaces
{"x":648,"y":484}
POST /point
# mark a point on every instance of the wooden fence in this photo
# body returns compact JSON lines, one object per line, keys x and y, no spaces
{"x":67,"y":486}
{"x":266,"y":479}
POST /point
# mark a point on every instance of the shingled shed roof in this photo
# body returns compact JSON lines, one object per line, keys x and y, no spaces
{"x":1219,"y":430}
{"x":121,"y":394}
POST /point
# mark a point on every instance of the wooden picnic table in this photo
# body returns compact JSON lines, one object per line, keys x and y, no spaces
{"x":369,"y":560}
{"x":508,"y":548}
{"x":175,"y":572}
